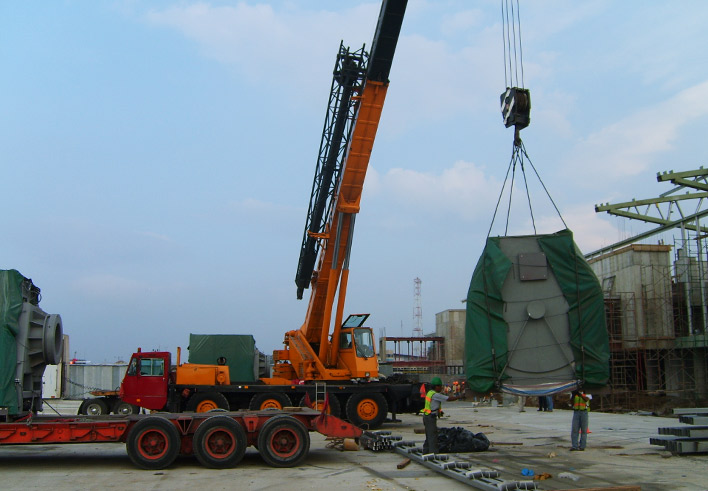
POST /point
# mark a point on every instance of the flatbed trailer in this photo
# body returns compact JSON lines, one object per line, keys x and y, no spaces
{"x":218,"y":439}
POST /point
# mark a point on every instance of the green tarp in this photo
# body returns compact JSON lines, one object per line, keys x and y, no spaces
{"x":10,"y":310}
{"x":486,"y":346}
{"x":238,"y":349}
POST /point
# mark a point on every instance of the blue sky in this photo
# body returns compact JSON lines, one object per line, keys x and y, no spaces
{"x":157,"y":157}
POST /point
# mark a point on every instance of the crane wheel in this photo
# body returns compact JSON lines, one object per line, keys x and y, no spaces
{"x":333,"y":407}
{"x":272,"y":400}
{"x":367,"y":410}
{"x":219,"y":442}
{"x":153,"y":443}
{"x":283,"y":441}
{"x":202,"y":402}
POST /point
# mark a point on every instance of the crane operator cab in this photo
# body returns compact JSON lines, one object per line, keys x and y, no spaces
{"x":356,"y":348}
{"x":363,"y":340}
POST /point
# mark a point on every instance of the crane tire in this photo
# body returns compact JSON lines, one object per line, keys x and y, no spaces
{"x":269,"y":400}
{"x":334,"y":407}
{"x":202,"y":402}
{"x":367,"y":410}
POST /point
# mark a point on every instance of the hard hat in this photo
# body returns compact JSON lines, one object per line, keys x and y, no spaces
{"x":436,"y":381}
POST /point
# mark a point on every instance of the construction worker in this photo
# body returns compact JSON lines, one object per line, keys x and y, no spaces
{"x":581,"y":406}
{"x":431,"y":412}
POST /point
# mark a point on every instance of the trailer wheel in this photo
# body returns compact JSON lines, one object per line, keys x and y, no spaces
{"x":283,"y":441}
{"x":219,"y":442}
{"x":334,"y":408}
{"x":367,"y":410}
{"x":271,"y":400}
{"x":153,"y":443}
{"x":94,"y":407}
{"x":202,"y":402}
{"x":125,"y":408}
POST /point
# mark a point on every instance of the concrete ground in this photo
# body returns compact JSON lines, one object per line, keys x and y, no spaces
{"x":618,"y":453}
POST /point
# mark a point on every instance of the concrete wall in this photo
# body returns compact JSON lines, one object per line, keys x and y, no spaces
{"x":645,"y":271}
{"x":450,"y":324}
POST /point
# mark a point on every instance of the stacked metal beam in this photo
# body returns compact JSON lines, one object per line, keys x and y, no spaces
{"x":378,"y":440}
{"x":685,"y":439}
{"x":465,"y":472}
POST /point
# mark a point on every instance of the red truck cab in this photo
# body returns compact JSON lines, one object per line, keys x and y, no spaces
{"x":147,"y":379}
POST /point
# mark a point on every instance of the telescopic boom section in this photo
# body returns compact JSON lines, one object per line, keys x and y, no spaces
{"x":329,"y":279}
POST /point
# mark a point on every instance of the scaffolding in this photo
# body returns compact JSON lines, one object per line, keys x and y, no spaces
{"x":657,"y":332}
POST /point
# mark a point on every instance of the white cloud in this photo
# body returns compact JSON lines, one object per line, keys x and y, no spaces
{"x":460,"y":190}
{"x":268,"y":44}
{"x":630,"y":146}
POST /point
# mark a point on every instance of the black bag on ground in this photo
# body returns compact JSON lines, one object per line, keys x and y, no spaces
{"x":457,"y":440}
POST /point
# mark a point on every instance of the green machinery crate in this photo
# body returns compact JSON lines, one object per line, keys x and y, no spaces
{"x":239,"y":350}
{"x":535,"y":317}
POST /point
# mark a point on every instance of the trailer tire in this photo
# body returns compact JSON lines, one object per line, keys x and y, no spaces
{"x":94,"y":407}
{"x":202,"y":402}
{"x":219,"y":442}
{"x":334,"y":408}
{"x":367,"y":410}
{"x":283,"y":441}
{"x":269,"y":400}
{"x":125,"y":408}
{"x":153,"y":443}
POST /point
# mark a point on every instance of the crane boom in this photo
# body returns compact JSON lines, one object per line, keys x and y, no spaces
{"x":356,"y":102}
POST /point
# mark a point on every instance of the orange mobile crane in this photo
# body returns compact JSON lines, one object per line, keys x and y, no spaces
{"x":345,"y":359}
{"x":356,"y":102}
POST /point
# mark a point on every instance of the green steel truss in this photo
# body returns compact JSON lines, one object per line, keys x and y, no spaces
{"x":665,"y":210}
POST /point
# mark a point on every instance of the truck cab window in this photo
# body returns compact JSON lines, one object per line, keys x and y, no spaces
{"x":152,"y":367}
{"x":133,"y":367}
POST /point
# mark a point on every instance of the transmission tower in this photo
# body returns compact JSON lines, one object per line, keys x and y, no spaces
{"x":417,"y":309}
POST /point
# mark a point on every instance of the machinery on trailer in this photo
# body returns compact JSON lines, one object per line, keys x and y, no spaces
{"x":30,"y":339}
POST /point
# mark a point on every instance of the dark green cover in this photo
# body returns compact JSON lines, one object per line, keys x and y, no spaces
{"x":10,"y":310}
{"x":486,"y":331}
{"x":238,"y":349}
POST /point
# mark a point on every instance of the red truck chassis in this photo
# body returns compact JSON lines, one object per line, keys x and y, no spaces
{"x":217,"y":439}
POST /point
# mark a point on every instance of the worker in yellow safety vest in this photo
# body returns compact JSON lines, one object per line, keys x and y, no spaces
{"x":581,"y":406}
{"x":431,"y":412}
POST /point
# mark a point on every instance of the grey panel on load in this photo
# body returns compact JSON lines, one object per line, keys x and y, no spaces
{"x":535,"y":310}
{"x":82,"y":379}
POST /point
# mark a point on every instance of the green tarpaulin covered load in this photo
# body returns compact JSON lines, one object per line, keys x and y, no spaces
{"x":238,"y":350}
{"x":10,"y":309}
{"x":535,"y":318}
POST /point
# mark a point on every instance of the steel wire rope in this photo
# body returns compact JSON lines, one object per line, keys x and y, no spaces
{"x":511,"y":194}
{"x":521,"y":51}
{"x":516,"y":62}
{"x":528,"y":195}
{"x":496,"y":208}
{"x":523,"y":149}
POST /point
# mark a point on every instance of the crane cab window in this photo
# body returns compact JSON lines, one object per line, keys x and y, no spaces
{"x":364,"y":342}
{"x":355,"y":320}
{"x":345,"y":340}
{"x":152,"y":367}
